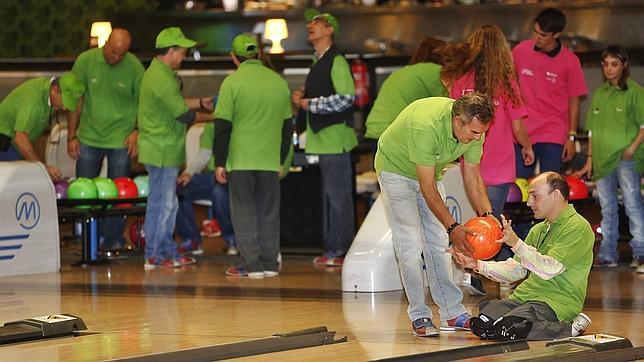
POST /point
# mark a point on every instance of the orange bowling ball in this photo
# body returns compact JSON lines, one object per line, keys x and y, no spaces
{"x":484,"y":242}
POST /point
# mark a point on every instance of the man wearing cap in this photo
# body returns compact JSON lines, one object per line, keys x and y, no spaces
{"x":26,"y":112}
{"x":107,"y":113}
{"x":252,"y":139}
{"x":326,"y":110}
{"x":162,"y":118}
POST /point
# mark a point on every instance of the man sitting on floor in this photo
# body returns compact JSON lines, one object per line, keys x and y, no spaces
{"x":556,"y":258}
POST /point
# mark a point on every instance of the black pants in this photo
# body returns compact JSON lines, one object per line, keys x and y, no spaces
{"x":255,"y":213}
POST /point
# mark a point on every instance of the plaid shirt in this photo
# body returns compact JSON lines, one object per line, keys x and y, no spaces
{"x":334,"y":103}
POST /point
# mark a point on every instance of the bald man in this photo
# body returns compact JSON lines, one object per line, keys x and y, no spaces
{"x":107,"y":115}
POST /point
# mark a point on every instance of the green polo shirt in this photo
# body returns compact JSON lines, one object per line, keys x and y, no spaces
{"x":569,"y":240}
{"x":111,"y":98}
{"x":256,"y":101}
{"x":27,"y":109}
{"x":399,"y":90}
{"x":206,"y":140}
{"x":161,"y":137}
{"x":338,"y":138}
{"x":422,"y":135}
{"x":615,"y":117}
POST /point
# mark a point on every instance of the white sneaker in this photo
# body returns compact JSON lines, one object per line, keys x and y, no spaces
{"x":580,"y":324}
{"x":640,"y":269}
{"x":271,"y":273}
{"x":232,"y":251}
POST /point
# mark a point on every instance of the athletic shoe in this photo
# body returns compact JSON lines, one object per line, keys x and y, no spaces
{"x":185,"y":260}
{"x":600,"y":263}
{"x":190,"y":247}
{"x":423,"y":327}
{"x":210,"y":228}
{"x":327,"y":261}
{"x":271,"y":273}
{"x":241,"y":272}
{"x":580,"y":324}
{"x":483,"y":326}
{"x":460,"y":323}
{"x":154,"y":263}
{"x":473,"y":285}
{"x":512,"y":328}
{"x":640,"y":269}
{"x":232,"y":250}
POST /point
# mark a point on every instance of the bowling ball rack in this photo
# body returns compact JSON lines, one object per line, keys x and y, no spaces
{"x":92,"y":211}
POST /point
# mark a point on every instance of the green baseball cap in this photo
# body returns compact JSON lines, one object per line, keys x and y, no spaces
{"x":313,"y":14}
{"x":173,"y":37}
{"x":71,"y":90}
{"x":245,"y":45}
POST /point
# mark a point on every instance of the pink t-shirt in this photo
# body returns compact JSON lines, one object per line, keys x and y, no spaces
{"x":497,"y":163}
{"x":547,"y":84}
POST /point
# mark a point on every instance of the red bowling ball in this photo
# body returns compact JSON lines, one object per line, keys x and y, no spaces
{"x":126,"y":190}
{"x":488,"y":231}
{"x":578,"y":189}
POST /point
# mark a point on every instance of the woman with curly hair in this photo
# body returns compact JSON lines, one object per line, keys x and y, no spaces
{"x":484,"y":64}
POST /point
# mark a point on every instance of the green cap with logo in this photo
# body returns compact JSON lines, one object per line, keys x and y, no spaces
{"x":313,"y":14}
{"x":71,"y":90}
{"x":245,"y":45}
{"x":173,"y":37}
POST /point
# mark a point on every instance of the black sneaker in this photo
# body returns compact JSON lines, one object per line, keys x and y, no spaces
{"x":512,"y":328}
{"x":473,"y":285}
{"x":483,"y":326}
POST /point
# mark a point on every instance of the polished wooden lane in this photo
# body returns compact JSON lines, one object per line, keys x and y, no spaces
{"x":131,"y":312}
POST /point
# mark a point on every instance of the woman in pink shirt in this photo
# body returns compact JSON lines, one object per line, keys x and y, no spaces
{"x":488,"y":68}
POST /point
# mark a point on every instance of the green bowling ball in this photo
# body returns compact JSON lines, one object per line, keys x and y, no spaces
{"x":81,"y":189}
{"x":143,"y":185}
{"x":106,"y":188}
{"x":523,"y":186}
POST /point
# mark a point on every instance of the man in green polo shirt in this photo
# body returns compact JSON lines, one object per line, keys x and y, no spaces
{"x":420,"y":79}
{"x":556,"y":257}
{"x":412,"y":153}
{"x":107,"y":114}
{"x":26,"y":112}
{"x":252,"y":138}
{"x":326,"y":112}
{"x":162,"y":118}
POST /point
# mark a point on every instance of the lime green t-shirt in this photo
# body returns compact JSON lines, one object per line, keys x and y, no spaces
{"x":206,"y":141}
{"x":402,"y":87}
{"x":422,"y":135}
{"x":27,"y":109}
{"x":570,"y":241}
{"x":615,"y":117}
{"x":337,"y":138}
{"x":111,"y":98}
{"x":161,"y":137}
{"x":256,"y":101}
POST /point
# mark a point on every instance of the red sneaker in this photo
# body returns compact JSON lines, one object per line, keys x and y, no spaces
{"x":210,"y":228}
{"x":241,"y":272}
{"x":185,"y":260}
{"x":460,"y":323}
{"x":154,"y":263}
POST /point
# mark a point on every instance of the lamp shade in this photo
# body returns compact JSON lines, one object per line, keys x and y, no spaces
{"x":101,"y":30}
{"x":276,"y":30}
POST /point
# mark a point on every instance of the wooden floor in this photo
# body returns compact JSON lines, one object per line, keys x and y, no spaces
{"x":133,"y":312}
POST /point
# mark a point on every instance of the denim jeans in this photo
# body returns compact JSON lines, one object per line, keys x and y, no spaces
{"x":161,"y":213}
{"x":255,"y":211}
{"x":203,"y":186}
{"x":628,"y":180}
{"x":11,"y":154}
{"x":416,"y":230}
{"x":548,"y":155}
{"x":337,"y":185}
{"x":119,"y":164}
{"x":497,"y":195}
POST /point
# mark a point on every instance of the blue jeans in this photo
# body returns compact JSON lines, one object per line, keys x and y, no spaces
{"x":161,"y":213}
{"x":337,"y":186}
{"x":548,"y":155}
{"x":626,"y":177}
{"x":416,"y":230}
{"x":89,"y":165}
{"x":203,"y":186}
{"x":11,"y":154}
{"x":497,"y":195}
